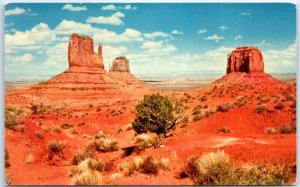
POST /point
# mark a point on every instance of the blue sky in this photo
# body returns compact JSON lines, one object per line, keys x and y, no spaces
{"x":156,"y":38}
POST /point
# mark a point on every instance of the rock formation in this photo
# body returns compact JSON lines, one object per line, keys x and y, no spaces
{"x":86,"y":74}
{"x":245,"y":65}
{"x":120,"y":64}
{"x":245,"y":59}
{"x":81,"y":52}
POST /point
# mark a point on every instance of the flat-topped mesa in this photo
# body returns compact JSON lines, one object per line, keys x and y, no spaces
{"x":81,"y":52}
{"x":245,"y":59}
{"x":120,"y":64}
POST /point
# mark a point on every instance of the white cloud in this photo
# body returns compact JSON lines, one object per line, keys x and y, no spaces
{"x":245,"y":14}
{"x":109,"y":7}
{"x":157,"y":34}
{"x":176,"y":32}
{"x":282,"y":60}
{"x":15,"y":11}
{"x":113,"y":7}
{"x":114,"y":19}
{"x":202,"y":31}
{"x":57,"y":55}
{"x":223,"y":28}
{"x":70,"y":7}
{"x":34,"y":39}
{"x":67,"y":27}
{"x":151,"y":45}
{"x":215,"y":38}
{"x":238,"y":37}
{"x":27,"y":57}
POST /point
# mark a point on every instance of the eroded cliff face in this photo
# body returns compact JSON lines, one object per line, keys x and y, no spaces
{"x":81,"y":52}
{"x":120,"y":64}
{"x":245,"y":59}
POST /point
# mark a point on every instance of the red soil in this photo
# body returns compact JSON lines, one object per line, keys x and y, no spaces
{"x":246,"y":142}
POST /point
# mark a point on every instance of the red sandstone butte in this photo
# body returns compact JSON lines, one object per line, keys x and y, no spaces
{"x":245,"y":65}
{"x":120,"y":64}
{"x":81,"y":52}
{"x":245,"y":59}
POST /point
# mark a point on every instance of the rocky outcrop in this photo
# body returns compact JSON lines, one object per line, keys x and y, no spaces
{"x":245,"y":59}
{"x":81,"y":52}
{"x":120,"y":64}
{"x":245,"y":65}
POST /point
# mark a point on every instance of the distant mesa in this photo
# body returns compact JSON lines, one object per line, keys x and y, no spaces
{"x":81,"y":52}
{"x":245,"y":65}
{"x":120,"y":64}
{"x":245,"y":59}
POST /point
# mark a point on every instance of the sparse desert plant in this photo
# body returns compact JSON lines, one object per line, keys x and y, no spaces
{"x":39,"y":134}
{"x":39,"y":109}
{"x":11,"y":119}
{"x":279,"y":106}
{"x":8,"y":178}
{"x":150,"y":165}
{"x":87,"y":173}
{"x":106,"y":144}
{"x":202,"y":98}
{"x":270,"y":130}
{"x":223,"y":130}
{"x":218,"y":169}
{"x":260,"y":108}
{"x":6,"y":157}
{"x":88,"y":152}
{"x":157,"y":114}
{"x":224,"y":107}
{"x":288,"y":129}
{"x":143,"y":141}
{"x":128,"y":127}
{"x":29,"y":158}
{"x":56,"y":146}
{"x":66,"y":126}
{"x":198,"y":117}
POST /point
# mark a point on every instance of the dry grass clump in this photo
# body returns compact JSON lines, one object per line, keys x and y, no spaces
{"x":223,"y":130}
{"x":224,"y":107}
{"x":105,"y":143}
{"x":279,"y":106}
{"x":87,"y":152}
{"x":260,"y":108}
{"x":56,"y":146}
{"x":40,"y":109}
{"x":66,"y":126}
{"x":87,"y":173}
{"x":39,"y":134}
{"x":270,"y":130}
{"x":216,"y":168}
{"x":6,"y":157}
{"x":29,"y":158}
{"x":11,"y":117}
{"x":149,"y":165}
{"x":147,"y":140}
{"x":8,"y":178}
{"x":288,"y":129}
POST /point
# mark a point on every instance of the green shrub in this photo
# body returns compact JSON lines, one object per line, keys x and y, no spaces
{"x":224,"y":107}
{"x":39,"y":109}
{"x":198,"y":117}
{"x":157,"y":114}
{"x":66,"y":126}
{"x":260,"y":108}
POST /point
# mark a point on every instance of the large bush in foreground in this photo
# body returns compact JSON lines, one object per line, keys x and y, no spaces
{"x":157,"y":114}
